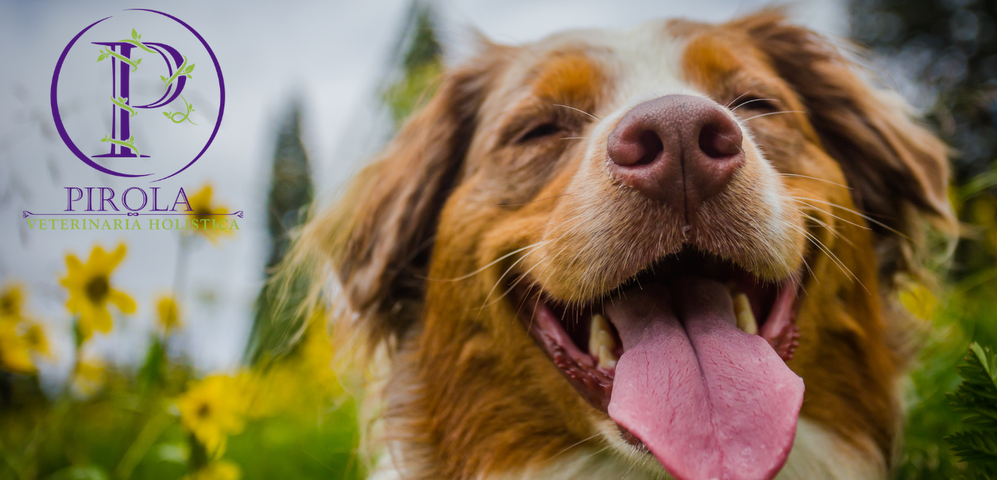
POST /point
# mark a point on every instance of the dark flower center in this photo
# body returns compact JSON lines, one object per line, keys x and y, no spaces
{"x":8,"y":306}
{"x":203,"y":411}
{"x":98,"y":288}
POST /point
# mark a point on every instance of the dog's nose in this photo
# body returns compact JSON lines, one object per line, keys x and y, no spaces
{"x":680,"y":149}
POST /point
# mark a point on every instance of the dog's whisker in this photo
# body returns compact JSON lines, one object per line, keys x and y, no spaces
{"x":830,"y":230}
{"x":821,"y":223}
{"x":632,"y":465}
{"x":844,"y":268}
{"x":469,"y":275}
{"x":597,"y":452}
{"x":808,"y":177}
{"x":506,"y":272}
{"x":736,"y":99}
{"x":508,"y":290}
{"x":756,"y":100}
{"x":828,"y":213}
{"x":578,"y":110}
{"x":772,"y":113}
{"x":803,"y":201}
{"x":549,"y":261}
{"x":806,"y":264}
{"x":860,"y":214}
{"x":573,"y":446}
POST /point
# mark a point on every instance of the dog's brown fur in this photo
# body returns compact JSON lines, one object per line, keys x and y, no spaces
{"x":422,"y":244}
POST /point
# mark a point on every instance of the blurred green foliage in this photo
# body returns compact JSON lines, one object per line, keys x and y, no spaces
{"x":965,"y":312}
{"x":944,"y":53}
{"x":123,"y":433}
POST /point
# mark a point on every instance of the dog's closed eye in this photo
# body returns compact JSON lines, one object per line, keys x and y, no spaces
{"x":538,"y":131}
{"x":757,"y":104}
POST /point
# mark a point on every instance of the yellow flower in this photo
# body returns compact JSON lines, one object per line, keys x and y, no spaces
{"x":300,"y":383}
{"x":36,"y":339}
{"x":217,"y":470}
{"x":984,"y":215}
{"x":919,"y":300}
{"x":20,"y":337}
{"x":213,"y":409}
{"x":15,"y":352}
{"x":168,"y":314}
{"x":90,"y":289}
{"x":11,"y":301}
{"x":89,"y":376}
{"x":207,"y":215}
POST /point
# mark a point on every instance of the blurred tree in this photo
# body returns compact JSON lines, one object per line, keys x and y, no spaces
{"x":421,"y":64}
{"x":415,"y":69}
{"x":949,"y":48}
{"x":946,"y":52}
{"x":291,"y":187}
{"x":291,"y":190}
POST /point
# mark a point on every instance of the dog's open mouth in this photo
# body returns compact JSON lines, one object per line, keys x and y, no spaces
{"x":688,"y":358}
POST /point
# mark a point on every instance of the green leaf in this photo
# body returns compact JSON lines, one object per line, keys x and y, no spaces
{"x":978,"y":449}
{"x":167,"y":114}
{"x":138,"y":61}
{"x":976,"y":398}
{"x":190,"y":68}
{"x":135,"y":34}
{"x":162,"y":78}
{"x":101,"y":57}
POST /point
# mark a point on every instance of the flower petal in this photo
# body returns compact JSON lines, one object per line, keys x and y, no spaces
{"x":75,"y":272}
{"x":116,"y":256}
{"x":121,"y":300}
{"x":100,"y":318}
{"x":85,"y":323}
{"x":97,"y":256}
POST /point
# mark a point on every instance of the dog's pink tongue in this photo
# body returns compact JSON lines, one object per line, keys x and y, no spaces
{"x":708,"y":400}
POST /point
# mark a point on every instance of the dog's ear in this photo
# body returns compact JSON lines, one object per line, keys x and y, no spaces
{"x":898,"y":169}
{"x":373,"y":245}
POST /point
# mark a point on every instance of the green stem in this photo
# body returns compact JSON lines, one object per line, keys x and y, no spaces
{"x":138,"y":44}
{"x":183,"y":116}
{"x":178,"y":72}
{"x":126,"y":144}
{"x":152,"y":430}
{"x":122,"y":58}
{"x":120,"y":102}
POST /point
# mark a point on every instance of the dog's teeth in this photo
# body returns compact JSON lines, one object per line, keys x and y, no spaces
{"x":601,"y":343}
{"x":606,"y":358}
{"x":745,"y":317}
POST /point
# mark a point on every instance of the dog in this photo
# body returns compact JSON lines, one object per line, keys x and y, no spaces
{"x":667,"y":252}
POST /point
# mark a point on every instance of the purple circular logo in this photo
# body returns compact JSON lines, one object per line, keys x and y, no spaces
{"x":157,"y":120}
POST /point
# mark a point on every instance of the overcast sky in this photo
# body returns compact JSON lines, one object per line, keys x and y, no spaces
{"x":330,"y":55}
